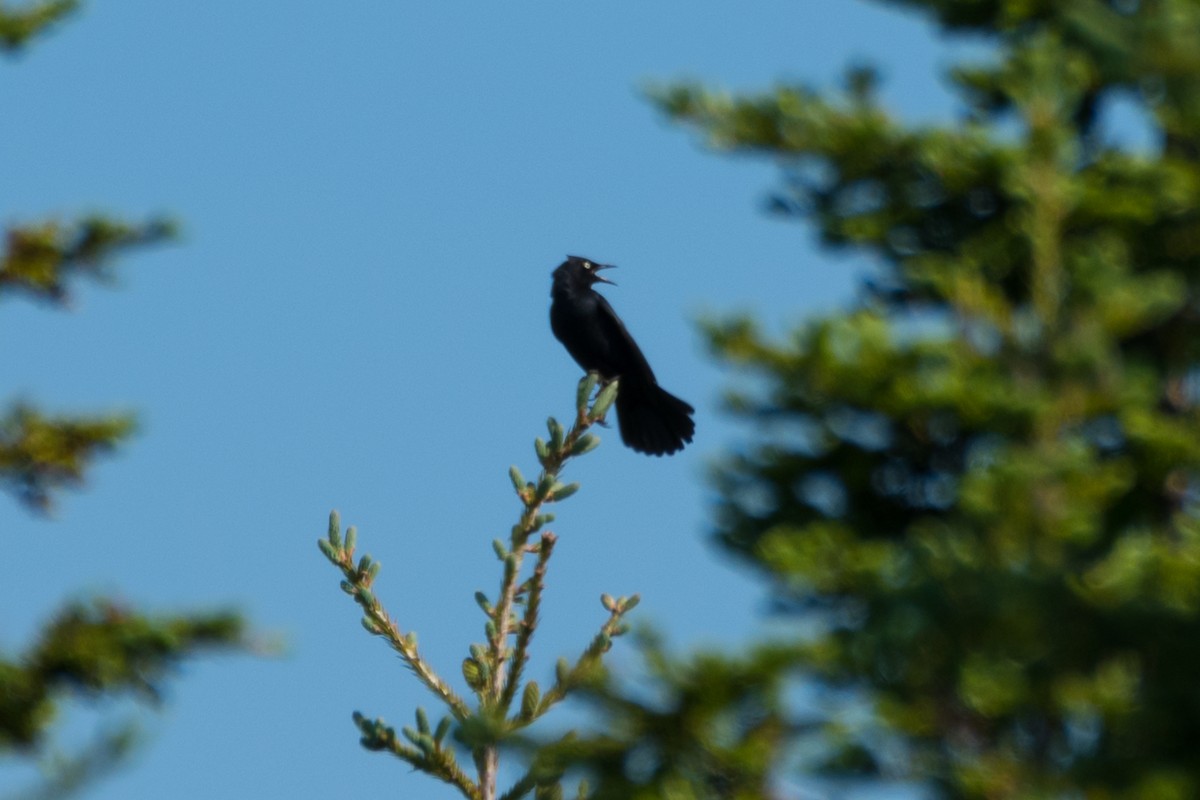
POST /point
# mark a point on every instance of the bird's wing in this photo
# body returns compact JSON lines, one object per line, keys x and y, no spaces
{"x":623,"y":352}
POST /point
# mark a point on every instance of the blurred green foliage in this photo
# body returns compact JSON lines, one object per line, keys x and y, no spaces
{"x":39,"y":454}
{"x":41,"y":258}
{"x":975,"y":491}
{"x":97,"y":650}
{"x":20,"y":23}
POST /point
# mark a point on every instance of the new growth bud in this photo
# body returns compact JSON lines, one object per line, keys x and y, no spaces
{"x":562,"y":492}
{"x":335,"y":528}
{"x":604,"y":400}
{"x":585,"y":444}
{"x":556,"y":433}
{"x":586,"y":385}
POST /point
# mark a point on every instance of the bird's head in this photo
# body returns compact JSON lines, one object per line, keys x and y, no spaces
{"x":582,"y":271}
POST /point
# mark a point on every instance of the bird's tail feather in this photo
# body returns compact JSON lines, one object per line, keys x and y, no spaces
{"x":652,"y":420}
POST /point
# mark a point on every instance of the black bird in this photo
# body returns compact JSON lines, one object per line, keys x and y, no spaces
{"x":651,"y":419}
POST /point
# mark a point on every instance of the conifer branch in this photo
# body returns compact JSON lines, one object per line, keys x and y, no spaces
{"x":533,"y":600}
{"x":493,"y":670}
{"x":40,"y":259}
{"x":17,"y":27}
{"x":426,"y":752}
{"x":585,"y":668}
{"x":553,"y":456}
{"x":101,"y":648}
{"x":40,"y":454}
{"x":358,"y":580}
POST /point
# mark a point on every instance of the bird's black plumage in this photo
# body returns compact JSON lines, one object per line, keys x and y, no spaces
{"x":651,"y":419}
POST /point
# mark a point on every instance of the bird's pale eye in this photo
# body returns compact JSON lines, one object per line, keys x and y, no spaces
{"x":587,"y":265}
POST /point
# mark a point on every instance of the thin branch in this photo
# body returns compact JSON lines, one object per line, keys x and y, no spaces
{"x":429,"y":756}
{"x":406,"y":646}
{"x":589,"y":660}
{"x":358,"y":580}
{"x":553,"y":456}
{"x":533,"y":602}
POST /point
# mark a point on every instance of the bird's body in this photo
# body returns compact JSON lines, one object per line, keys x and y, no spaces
{"x":651,"y":419}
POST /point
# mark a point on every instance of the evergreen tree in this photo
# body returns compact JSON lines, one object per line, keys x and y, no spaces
{"x":975,"y":491}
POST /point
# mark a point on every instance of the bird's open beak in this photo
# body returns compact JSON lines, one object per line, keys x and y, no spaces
{"x":601,"y":278}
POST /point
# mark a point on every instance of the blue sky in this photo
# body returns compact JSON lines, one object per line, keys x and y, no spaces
{"x":373,"y":196}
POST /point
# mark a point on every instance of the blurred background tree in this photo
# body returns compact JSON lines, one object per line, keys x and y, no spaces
{"x":974,"y":493}
{"x":96,"y":650}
